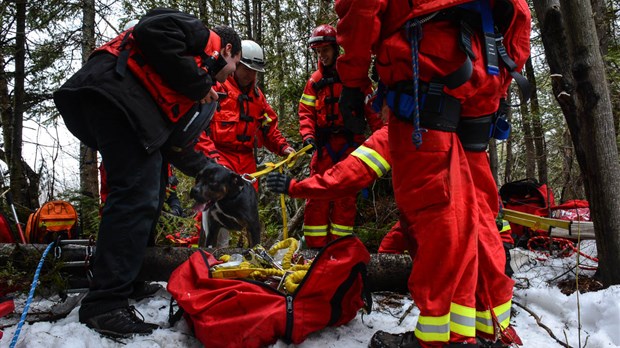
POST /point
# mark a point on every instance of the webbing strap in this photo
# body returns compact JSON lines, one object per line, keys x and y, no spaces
{"x":414,"y":30}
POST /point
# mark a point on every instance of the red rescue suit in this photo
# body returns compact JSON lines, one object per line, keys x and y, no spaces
{"x":320,"y":119}
{"x":245,"y":123}
{"x":446,"y":196}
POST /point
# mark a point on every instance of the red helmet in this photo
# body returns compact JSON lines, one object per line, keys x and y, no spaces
{"x":322,"y":35}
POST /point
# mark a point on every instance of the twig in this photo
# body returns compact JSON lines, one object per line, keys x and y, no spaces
{"x":402,"y":317}
{"x":542,"y":325}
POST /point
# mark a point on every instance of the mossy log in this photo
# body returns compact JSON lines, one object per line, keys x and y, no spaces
{"x":386,"y":272}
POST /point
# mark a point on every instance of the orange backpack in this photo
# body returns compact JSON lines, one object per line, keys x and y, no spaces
{"x":51,"y":220}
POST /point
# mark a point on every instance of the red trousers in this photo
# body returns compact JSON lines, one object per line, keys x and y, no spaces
{"x":326,"y":220}
{"x":448,"y":200}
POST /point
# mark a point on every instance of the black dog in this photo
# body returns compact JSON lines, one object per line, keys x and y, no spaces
{"x":232,"y":200}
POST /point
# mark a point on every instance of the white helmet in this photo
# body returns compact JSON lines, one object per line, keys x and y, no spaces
{"x":252,"y":55}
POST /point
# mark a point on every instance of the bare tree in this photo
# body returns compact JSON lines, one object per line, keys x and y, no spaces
{"x":573,"y":52}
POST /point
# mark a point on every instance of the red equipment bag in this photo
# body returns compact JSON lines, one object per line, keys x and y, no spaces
{"x":527,"y":196}
{"x":573,"y":210}
{"x":247,"y":313}
{"x":6,"y":307}
{"x":51,"y":220}
{"x":6,"y":234}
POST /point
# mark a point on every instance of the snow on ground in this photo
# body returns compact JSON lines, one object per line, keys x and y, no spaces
{"x":597,"y":313}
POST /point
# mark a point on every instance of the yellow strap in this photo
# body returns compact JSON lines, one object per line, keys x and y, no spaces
{"x":271,"y":166}
{"x":284,"y":219}
{"x":533,"y":221}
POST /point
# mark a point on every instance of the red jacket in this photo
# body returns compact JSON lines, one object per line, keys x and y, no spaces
{"x":229,"y":130}
{"x":368,"y":162}
{"x":318,"y":106}
{"x":376,"y":26}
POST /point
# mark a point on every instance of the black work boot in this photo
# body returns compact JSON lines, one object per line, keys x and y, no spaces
{"x":142,"y":290}
{"x":382,"y":339}
{"x":120,"y":322}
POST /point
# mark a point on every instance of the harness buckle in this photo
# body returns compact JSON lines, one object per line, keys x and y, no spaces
{"x":249,"y":178}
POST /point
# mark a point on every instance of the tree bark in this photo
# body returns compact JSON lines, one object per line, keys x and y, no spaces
{"x":538,"y":132}
{"x":528,"y":141}
{"x":26,"y":195}
{"x":580,"y":87}
{"x":386,"y":272}
{"x":89,"y":174}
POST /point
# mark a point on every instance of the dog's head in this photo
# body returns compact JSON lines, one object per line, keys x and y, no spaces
{"x":213,"y":183}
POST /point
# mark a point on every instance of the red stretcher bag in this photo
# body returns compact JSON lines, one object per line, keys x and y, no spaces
{"x":247,"y":313}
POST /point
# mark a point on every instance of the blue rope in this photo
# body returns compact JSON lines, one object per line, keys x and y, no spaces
{"x":415,"y":35}
{"x":33,"y":286}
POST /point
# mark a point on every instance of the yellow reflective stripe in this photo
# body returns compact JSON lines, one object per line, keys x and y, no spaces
{"x":433,"y":328}
{"x":505,"y":226}
{"x":502,"y":312}
{"x":484,"y":322}
{"x":57,"y":223}
{"x":341,"y":230}
{"x":267,"y":120}
{"x":463,"y":320}
{"x":315,"y":231}
{"x":307,"y":99}
{"x":372,"y":159}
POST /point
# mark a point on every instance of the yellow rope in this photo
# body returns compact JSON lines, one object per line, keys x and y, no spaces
{"x":292,"y":157}
{"x":293,"y":280}
{"x":292,"y":274}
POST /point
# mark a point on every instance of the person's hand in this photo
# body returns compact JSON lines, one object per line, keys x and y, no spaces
{"x":288,"y":151}
{"x":310,"y":141}
{"x":351,"y":106}
{"x":210,"y":97}
{"x":278,"y":183}
{"x":176,"y":210}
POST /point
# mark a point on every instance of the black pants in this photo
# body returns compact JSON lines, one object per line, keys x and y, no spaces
{"x":136,"y":184}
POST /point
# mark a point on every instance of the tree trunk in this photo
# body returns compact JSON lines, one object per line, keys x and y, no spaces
{"x":537,"y":127}
{"x":89,"y":174}
{"x":248,"y":18}
{"x":572,"y":184}
{"x":386,"y":272}
{"x":580,"y":87}
{"x":25,"y":194}
{"x":203,"y":12}
{"x":528,"y":141}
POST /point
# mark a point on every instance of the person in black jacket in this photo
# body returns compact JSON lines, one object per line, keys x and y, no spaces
{"x":141,"y":100}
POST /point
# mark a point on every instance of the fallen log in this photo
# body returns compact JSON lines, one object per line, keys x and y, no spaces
{"x":386,"y":272}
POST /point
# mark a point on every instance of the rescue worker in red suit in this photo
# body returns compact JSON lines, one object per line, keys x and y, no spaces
{"x":369,"y":161}
{"x":245,"y":121}
{"x":435,"y":62}
{"x":141,"y":100}
{"x":333,"y":138}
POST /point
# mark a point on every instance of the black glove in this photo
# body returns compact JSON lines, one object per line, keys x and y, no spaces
{"x":351,"y":107}
{"x":310,"y":141}
{"x":278,"y":183}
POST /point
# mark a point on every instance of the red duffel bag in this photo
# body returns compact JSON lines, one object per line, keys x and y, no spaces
{"x":247,"y":313}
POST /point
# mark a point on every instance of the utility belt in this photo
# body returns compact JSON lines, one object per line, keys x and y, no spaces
{"x":440,"y":111}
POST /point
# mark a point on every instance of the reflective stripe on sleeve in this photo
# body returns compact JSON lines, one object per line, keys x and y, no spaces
{"x":307,"y":99}
{"x":372,"y":159}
